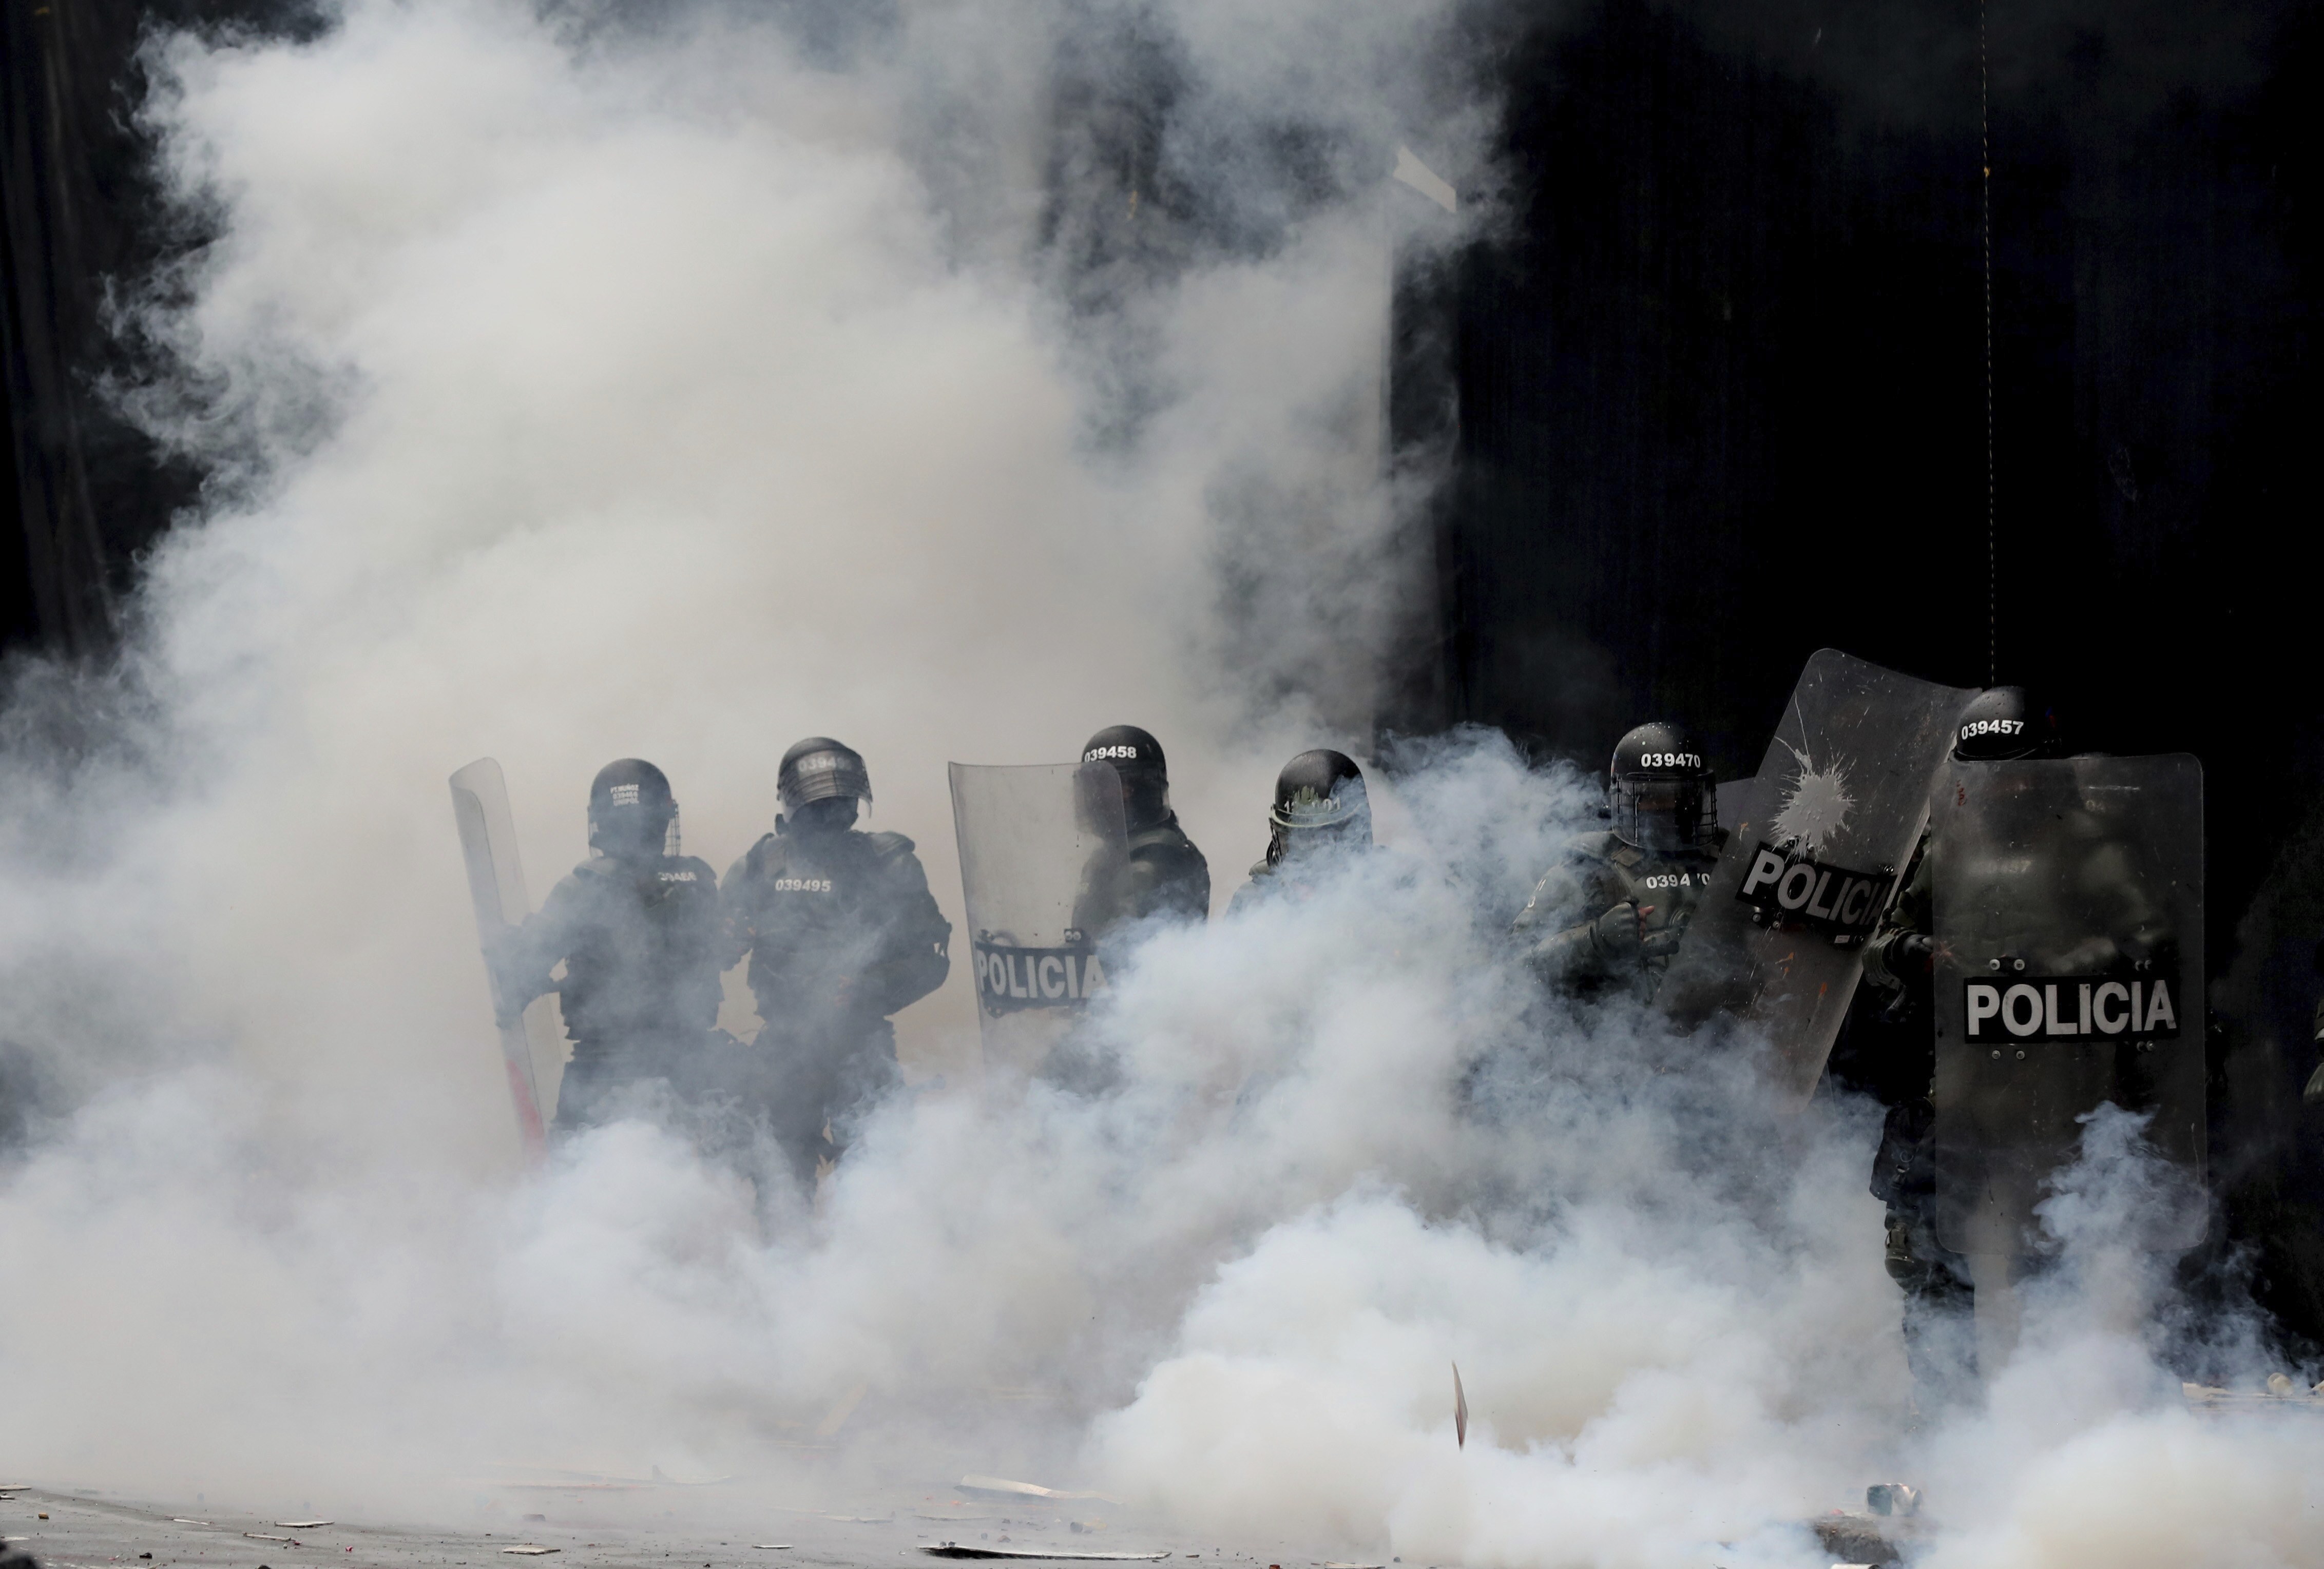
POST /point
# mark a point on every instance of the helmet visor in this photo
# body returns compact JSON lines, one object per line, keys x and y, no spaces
{"x":1663,"y":814}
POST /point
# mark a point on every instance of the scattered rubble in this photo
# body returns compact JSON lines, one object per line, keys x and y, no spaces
{"x":956,"y":1550}
{"x":1003,"y":1487}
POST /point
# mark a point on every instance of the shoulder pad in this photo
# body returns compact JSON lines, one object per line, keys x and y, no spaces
{"x":1162,"y":836}
{"x":770,"y":850}
{"x":888,"y":846}
{"x":1262,"y":869}
{"x":1599,"y":844}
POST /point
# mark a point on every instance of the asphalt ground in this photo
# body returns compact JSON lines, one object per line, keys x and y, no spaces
{"x":614,"y":1526}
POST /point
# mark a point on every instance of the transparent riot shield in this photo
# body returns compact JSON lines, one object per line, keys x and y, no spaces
{"x":2069,"y":918}
{"x":1814,"y":848}
{"x":1042,"y":852}
{"x":530,"y":1047}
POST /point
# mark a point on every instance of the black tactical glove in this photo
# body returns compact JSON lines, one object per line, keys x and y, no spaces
{"x":1658,"y":945}
{"x":1619,"y":937}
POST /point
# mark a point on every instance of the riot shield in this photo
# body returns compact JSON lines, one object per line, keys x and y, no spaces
{"x":497,"y":889}
{"x":2069,"y":918}
{"x":1812,"y":858}
{"x":1042,"y":850}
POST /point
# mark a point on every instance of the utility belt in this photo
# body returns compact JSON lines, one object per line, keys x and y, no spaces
{"x":641,"y":1051}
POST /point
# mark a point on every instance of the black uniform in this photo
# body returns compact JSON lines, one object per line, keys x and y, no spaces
{"x":1322,"y":811}
{"x":1611,"y":911}
{"x":1619,"y":911}
{"x":841,"y":932}
{"x":1164,"y":872}
{"x":641,"y":939}
{"x":1940,"y":1341}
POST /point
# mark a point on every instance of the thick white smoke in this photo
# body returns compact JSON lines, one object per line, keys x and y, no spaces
{"x":580,"y":389}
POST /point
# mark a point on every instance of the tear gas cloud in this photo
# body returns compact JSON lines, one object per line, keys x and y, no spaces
{"x":576,"y":390}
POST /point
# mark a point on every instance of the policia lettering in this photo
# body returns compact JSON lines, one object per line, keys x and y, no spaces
{"x":1009,"y":978}
{"x":1799,"y":891}
{"x":2072,"y":1008}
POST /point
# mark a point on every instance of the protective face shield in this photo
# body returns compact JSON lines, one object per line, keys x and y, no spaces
{"x":818,"y":768}
{"x":631,"y":812}
{"x":2000,"y":724}
{"x":1137,"y":758}
{"x":825,"y":815}
{"x":1661,"y":795}
{"x":1320,"y":801}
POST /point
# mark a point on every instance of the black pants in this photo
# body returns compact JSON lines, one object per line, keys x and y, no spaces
{"x":820,"y":1082}
{"x":1940,"y":1302}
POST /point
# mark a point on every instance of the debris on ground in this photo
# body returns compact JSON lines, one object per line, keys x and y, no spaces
{"x":1856,"y":1538}
{"x":528,"y":1550}
{"x":2280,"y":1391}
{"x":956,"y":1550}
{"x":1003,"y":1487}
{"x":1897,"y":1498}
{"x":304,"y":1525}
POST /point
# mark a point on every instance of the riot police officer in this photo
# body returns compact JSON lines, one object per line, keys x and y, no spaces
{"x":841,"y":933}
{"x":638,"y":928}
{"x":1621,"y":895}
{"x":1999,"y":725}
{"x":1164,"y":872}
{"x":1322,"y":813}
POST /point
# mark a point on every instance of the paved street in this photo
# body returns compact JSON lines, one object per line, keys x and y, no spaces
{"x":600,"y":1526}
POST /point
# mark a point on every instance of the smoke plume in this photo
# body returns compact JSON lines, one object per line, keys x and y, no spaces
{"x":955,"y":380}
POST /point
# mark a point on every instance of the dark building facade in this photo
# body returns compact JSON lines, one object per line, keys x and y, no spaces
{"x":1717,"y":397}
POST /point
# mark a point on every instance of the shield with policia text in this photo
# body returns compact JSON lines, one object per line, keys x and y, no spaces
{"x":1837,"y":804}
{"x":1041,"y":849}
{"x":2069,"y":918}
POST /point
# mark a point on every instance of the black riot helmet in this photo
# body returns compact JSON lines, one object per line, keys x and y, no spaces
{"x":631,"y":812}
{"x":1660,"y":791}
{"x":1319,"y":800}
{"x":1999,"y":724}
{"x":1137,"y":757}
{"x":819,"y":768}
